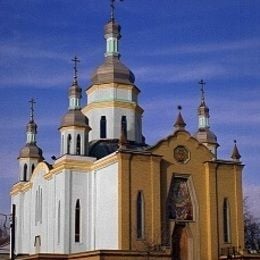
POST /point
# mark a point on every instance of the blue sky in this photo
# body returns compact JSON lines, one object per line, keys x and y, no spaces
{"x":169,"y":45}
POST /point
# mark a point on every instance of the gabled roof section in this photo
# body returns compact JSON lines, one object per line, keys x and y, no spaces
{"x":181,"y":138}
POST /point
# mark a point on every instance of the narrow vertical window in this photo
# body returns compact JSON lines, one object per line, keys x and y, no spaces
{"x":226,"y":221}
{"x":40,"y":213}
{"x":124,"y":125}
{"x":140,"y":215}
{"x":36,"y":206}
{"x":33,"y":167}
{"x":58,"y":216}
{"x":62,"y":145}
{"x":69,"y":144}
{"x":103,"y":127}
{"x":77,"y":222}
{"x":25,"y":167}
{"x":78,"y":146}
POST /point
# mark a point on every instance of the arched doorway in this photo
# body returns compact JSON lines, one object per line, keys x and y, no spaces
{"x":181,"y":242}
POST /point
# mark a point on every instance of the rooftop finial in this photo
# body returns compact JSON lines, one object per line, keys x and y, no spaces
{"x":202,"y":83}
{"x":75,"y":60}
{"x":179,"y":123}
{"x":235,"y":153}
{"x":32,"y":102}
{"x":112,"y":5}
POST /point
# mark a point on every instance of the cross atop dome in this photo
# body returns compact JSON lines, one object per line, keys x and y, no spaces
{"x":32,"y":102}
{"x":76,"y":61}
{"x":112,"y":6}
{"x":202,"y":84}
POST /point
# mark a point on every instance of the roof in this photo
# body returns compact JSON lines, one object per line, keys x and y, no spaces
{"x":204,"y":135}
{"x":103,"y":147}
{"x":74,"y":118}
{"x":112,"y":71}
{"x":31,"y":150}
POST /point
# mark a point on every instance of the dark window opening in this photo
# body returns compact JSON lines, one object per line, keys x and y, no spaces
{"x":78,"y":145}
{"x":226,"y":224}
{"x":25,"y":167}
{"x":124,"y":125}
{"x":69,"y":140}
{"x":33,"y":167}
{"x":140,"y":215}
{"x":77,"y":222}
{"x":103,"y":127}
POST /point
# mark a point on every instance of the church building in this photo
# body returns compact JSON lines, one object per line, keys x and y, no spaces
{"x":109,"y":195}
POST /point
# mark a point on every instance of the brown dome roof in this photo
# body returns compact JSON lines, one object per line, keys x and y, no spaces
{"x":112,"y":71}
{"x":31,"y":150}
{"x":204,"y":135}
{"x":74,"y":118}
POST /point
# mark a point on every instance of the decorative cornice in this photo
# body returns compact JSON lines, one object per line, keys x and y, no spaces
{"x":113,"y":104}
{"x":96,"y":87}
{"x":64,"y":128}
{"x":21,"y":187}
{"x":83,"y":166}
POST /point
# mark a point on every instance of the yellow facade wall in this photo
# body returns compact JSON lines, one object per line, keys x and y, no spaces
{"x":210,"y":182}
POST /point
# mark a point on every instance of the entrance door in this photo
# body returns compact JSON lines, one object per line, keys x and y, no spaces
{"x":180,"y":243}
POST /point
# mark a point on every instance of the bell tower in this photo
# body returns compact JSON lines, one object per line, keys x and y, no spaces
{"x":112,"y":95}
{"x":74,"y":125}
{"x":30,"y":155}
{"x":204,"y":134}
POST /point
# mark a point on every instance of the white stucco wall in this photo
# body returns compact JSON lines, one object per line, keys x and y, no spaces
{"x":106,"y":212}
{"x":98,"y":194}
{"x":113,"y":116}
{"x":112,"y":93}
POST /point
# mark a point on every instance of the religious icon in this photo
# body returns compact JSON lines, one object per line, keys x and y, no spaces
{"x":179,"y":201}
{"x":181,"y":154}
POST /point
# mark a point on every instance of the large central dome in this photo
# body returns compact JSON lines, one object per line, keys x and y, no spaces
{"x":112,"y":70}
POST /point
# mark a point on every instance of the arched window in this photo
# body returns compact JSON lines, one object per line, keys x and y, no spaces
{"x":124,"y":125}
{"x":179,"y":202}
{"x":25,"y":167}
{"x":140,"y":215}
{"x":103,"y":127}
{"x":38,"y":205}
{"x":78,"y":145}
{"x":226,"y":221}
{"x":33,"y":167}
{"x":69,"y":140}
{"x":77,"y":221}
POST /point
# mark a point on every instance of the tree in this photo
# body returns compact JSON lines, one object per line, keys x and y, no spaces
{"x":251,"y":228}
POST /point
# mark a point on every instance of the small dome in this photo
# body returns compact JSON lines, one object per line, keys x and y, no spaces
{"x":112,"y":71}
{"x":31,"y":127}
{"x":204,"y":135}
{"x":31,"y":151}
{"x":203,"y":109}
{"x":74,"y":118}
{"x":112,"y":28}
{"x":75,"y":90}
